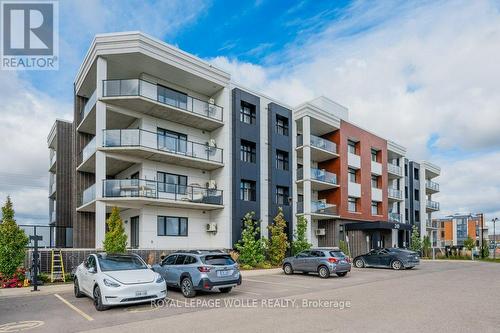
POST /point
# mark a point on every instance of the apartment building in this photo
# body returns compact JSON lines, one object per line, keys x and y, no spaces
{"x":420,"y":186}
{"x":185,"y":153}
{"x":454,"y":229}
{"x":60,"y":147}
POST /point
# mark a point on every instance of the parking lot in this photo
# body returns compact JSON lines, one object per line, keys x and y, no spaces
{"x":443,"y":296}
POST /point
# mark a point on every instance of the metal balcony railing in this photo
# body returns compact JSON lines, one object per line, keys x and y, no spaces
{"x":432,"y":204}
{"x":394,"y":193}
{"x":394,"y":169}
{"x":161,"y":94}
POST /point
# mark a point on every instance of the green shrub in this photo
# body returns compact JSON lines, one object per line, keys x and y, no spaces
{"x":415,"y":242}
{"x":245,"y":267}
{"x":250,"y":247}
{"x":13,"y":242}
{"x":278,"y":241}
{"x":264,"y":265}
{"x":344,"y":248}
{"x":115,"y":240}
{"x":300,"y":242}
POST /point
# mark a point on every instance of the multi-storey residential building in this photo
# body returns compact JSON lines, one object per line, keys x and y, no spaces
{"x":419,"y":188}
{"x":454,"y":229}
{"x":185,"y":153}
{"x":60,"y":182}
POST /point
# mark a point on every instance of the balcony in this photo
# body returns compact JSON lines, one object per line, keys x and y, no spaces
{"x":320,"y":179}
{"x":431,"y":187}
{"x":52,"y":161}
{"x":354,"y":160}
{"x":376,"y":168}
{"x":53,"y":217}
{"x":162,"y":102}
{"x":87,"y":157}
{"x":394,"y":170}
{"x":320,"y":210}
{"x":377,"y":194}
{"x":395,"y":217}
{"x":52,"y":189}
{"x":132,"y":191}
{"x":432,"y":205}
{"x":431,"y":224}
{"x":88,"y":195}
{"x":87,"y":123}
{"x":394,"y":194}
{"x":321,"y":149}
{"x":162,"y":148}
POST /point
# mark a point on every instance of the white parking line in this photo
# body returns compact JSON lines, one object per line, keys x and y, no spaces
{"x":248,"y":292}
{"x":80,"y":312}
{"x":279,"y":283}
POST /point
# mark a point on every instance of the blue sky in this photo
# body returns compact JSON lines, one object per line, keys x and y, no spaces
{"x":423,"y":73}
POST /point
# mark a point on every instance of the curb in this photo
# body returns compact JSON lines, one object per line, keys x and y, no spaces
{"x":255,"y":272}
{"x":43,"y":290}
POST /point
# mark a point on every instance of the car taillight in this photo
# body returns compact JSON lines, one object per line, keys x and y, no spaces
{"x":204,"y":269}
{"x":333,"y":260}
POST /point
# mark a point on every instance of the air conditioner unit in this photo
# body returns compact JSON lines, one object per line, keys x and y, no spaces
{"x":320,"y":232}
{"x":212,"y":185}
{"x":212,"y":227}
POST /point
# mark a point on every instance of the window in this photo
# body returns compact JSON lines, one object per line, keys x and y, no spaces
{"x":417,"y":195}
{"x":374,"y":182}
{"x":171,"y":183}
{"x":282,"y":195}
{"x":406,"y":170}
{"x":415,"y":173}
{"x":180,"y":259}
{"x":406,"y":214}
{"x":190,"y":260}
{"x":171,"y":141}
{"x":374,"y":208}
{"x":417,"y":216}
{"x":351,"y":204}
{"x":374,"y":155}
{"x":281,"y":160}
{"x":247,"y":151}
{"x":406,"y":192}
{"x":247,"y":113}
{"x":247,"y":190}
{"x":172,"y":226}
{"x":170,"y":260}
{"x":351,"y":146}
{"x":172,"y":97}
{"x":442,"y":234}
{"x":352,"y":175}
{"x":281,"y":125}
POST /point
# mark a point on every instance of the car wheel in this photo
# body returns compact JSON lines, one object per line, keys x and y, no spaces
{"x":76,"y":289}
{"x":359,"y":263}
{"x":287,"y":268}
{"x":323,"y":272}
{"x":342,"y":274}
{"x":187,"y":288}
{"x":98,"y":300}
{"x":225,"y":290}
{"x":396,"y":264}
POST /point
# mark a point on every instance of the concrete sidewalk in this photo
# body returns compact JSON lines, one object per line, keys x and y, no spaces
{"x":57,"y":288}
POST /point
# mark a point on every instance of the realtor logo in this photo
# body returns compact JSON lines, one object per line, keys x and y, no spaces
{"x":29,"y":35}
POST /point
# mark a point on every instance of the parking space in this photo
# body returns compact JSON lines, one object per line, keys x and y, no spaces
{"x":62,"y":312}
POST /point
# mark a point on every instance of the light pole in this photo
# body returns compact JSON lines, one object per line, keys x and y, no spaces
{"x":494,"y":238}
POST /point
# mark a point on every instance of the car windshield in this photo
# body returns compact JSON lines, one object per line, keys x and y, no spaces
{"x":218,"y":260}
{"x":337,"y":254}
{"x":120,"y":263}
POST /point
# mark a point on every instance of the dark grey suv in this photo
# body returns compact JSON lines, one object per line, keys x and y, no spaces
{"x":199,"y":270}
{"x":324,"y":261}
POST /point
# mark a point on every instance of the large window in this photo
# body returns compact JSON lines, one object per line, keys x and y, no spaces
{"x":247,"y":113}
{"x":374,"y":208}
{"x":247,"y":190}
{"x":281,"y":160}
{"x":282,"y":194}
{"x":352,"y":175}
{"x":374,"y":155}
{"x":247,"y":151}
{"x":351,"y":146}
{"x":374,"y":181}
{"x":171,"y":183}
{"x":281,"y":125}
{"x":172,"y":141}
{"x":415,"y":174}
{"x":417,"y":195}
{"x":172,"y":226}
{"x":351,"y":204}
{"x":172,"y":97}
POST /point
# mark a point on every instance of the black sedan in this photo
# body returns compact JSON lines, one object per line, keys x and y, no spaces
{"x":391,"y":257}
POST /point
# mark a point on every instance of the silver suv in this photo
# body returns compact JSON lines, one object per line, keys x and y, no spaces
{"x":324,"y":261}
{"x":199,"y":270}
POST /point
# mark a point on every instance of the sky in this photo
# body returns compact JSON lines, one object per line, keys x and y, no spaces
{"x":424,"y":74}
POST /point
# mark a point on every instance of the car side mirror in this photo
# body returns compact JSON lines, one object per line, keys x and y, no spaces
{"x":92,"y":270}
{"x":149,"y":266}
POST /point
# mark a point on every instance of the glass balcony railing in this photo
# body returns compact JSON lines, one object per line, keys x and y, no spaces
{"x":395,"y":217}
{"x":52,"y":217}
{"x":320,"y":207}
{"x":319,"y":175}
{"x":319,"y":143}
{"x":394,"y":169}
{"x":89,"y":105}
{"x":432,"y":205}
{"x":130,"y":188}
{"x":432,"y":185}
{"x":88,"y":195}
{"x":394,"y":193}
{"x":161,"y":94}
{"x":88,"y":150}
{"x":52,"y":187}
{"x":142,"y":138}
{"x":52,"y":158}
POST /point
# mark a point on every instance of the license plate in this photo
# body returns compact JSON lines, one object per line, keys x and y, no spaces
{"x":343,"y":261}
{"x":224,"y":273}
{"x":141,"y":293}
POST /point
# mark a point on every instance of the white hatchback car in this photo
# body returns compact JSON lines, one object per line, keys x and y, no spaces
{"x":116,"y":279}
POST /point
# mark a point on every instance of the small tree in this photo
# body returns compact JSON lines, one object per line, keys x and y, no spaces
{"x":426,"y":246}
{"x":115,"y":240}
{"x":278,"y":241}
{"x":485,"y":250}
{"x":415,"y":242}
{"x":13,"y":242}
{"x":300,"y":242}
{"x":344,"y":248}
{"x":250,"y":246}
{"x":469,"y":244}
